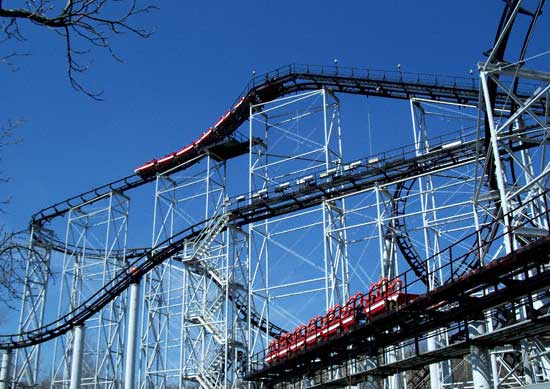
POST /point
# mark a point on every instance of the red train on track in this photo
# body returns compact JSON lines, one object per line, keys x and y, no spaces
{"x":182,"y":155}
{"x":224,"y":126}
{"x":382,"y":295}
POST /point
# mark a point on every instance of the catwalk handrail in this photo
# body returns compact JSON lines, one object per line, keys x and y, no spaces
{"x":103,"y":296}
{"x":399,"y":153}
{"x":132,"y":273}
{"x":122,"y":280}
{"x":286,"y":79}
{"x":413,"y":286}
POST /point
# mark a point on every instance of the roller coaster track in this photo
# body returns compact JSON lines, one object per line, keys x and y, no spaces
{"x":293,"y":78}
{"x":400,"y":165}
{"x":277,"y":83}
{"x":400,"y":230}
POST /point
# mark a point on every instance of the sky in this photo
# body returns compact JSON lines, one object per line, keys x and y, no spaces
{"x":171,"y":87}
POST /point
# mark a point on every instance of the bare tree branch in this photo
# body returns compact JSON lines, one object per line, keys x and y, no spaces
{"x":85,"y":24}
{"x":7,"y":137}
{"x":14,"y":253}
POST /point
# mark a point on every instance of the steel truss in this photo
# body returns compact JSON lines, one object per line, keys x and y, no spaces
{"x":455,"y":307}
{"x":37,"y":275}
{"x":192,"y":321}
{"x":443,"y":204}
{"x":212,"y":288}
{"x":424,"y":213}
{"x":292,"y":139}
{"x":100,"y":359}
{"x":519,"y":175}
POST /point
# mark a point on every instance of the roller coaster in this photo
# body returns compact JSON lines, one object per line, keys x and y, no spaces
{"x":455,"y":295}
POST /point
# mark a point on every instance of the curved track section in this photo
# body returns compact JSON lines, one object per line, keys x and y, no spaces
{"x":273,"y":204}
{"x":402,"y":236}
{"x":282,"y":81}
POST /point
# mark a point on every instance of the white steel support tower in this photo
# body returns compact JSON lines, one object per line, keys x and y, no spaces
{"x":443,"y":202}
{"x":94,"y":253}
{"x":33,"y":304}
{"x":517,"y":167}
{"x":297,"y":262}
{"x":193,"y":304}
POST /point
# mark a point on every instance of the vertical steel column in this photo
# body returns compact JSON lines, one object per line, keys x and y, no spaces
{"x":517,"y":180}
{"x":185,"y":310}
{"x":76,"y":363}
{"x":133,"y":308}
{"x":481,"y":363}
{"x":5,"y":369}
{"x":499,"y":171}
{"x":295,"y":143}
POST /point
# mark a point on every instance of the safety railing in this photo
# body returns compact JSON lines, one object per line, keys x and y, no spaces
{"x":436,"y":80}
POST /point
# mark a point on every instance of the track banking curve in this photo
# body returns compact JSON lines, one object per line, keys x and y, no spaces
{"x":399,"y":165}
{"x":283,"y":81}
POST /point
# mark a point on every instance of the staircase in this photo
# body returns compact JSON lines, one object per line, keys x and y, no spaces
{"x":213,"y":326}
{"x":205,"y":238}
{"x":540,"y":356}
{"x":211,"y":375}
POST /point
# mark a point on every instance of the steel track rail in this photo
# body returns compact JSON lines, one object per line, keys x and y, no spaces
{"x":275,"y":84}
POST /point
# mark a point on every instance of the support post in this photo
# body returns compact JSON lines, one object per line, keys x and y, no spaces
{"x":133,"y":309}
{"x":76,"y":363}
{"x":5,"y":370}
{"x":481,"y":364}
{"x":435,"y":377}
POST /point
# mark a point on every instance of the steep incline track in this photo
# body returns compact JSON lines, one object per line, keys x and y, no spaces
{"x":403,"y":164}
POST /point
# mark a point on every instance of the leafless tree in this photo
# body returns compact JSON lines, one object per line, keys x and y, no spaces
{"x":83,"y":24}
{"x":13,"y":251}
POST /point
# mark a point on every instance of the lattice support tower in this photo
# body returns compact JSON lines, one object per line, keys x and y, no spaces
{"x":94,"y":252}
{"x":37,"y":275}
{"x":192,"y":332}
{"x":518,"y":164}
{"x":293,"y":140}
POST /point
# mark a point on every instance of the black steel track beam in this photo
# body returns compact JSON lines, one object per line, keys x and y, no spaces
{"x":278,"y":83}
{"x":279,"y":204}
